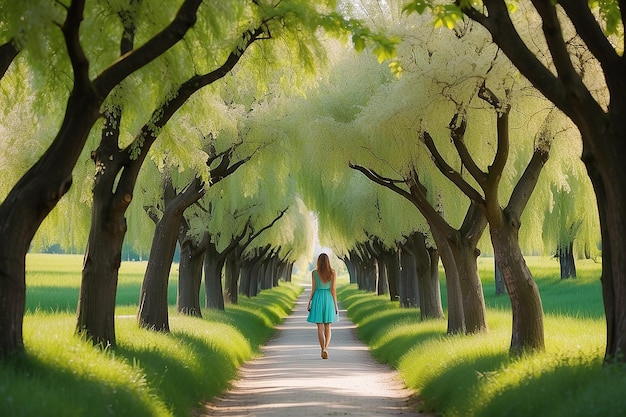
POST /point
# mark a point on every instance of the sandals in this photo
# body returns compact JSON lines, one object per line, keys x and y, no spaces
{"x":324,"y":354}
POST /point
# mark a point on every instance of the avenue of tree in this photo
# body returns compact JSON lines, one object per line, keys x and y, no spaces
{"x":229,"y":150}
{"x":81,"y":38}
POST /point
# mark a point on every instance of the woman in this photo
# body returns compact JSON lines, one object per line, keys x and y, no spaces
{"x":322,"y":307}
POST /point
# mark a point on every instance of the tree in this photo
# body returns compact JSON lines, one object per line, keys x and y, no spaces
{"x":600,"y":119}
{"x":504,"y":223}
{"x":117,"y":169}
{"x":43,"y":185}
{"x":153,"y":306}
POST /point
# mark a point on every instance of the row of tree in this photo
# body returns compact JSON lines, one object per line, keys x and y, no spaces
{"x":114,"y":75}
{"x":432,"y":154}
{"x":459,"y":126}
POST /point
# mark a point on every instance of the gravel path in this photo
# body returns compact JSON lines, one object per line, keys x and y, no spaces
{"x":291,"y":379}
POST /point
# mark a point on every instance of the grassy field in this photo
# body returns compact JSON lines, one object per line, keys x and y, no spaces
{"x":148,"y":373}
{"x":474,"y":375}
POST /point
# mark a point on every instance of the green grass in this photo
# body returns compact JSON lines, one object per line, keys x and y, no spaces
{"x":148,"y":373}
{"x":474,"y":375}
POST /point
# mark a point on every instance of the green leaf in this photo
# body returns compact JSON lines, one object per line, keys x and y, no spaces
{"x":359,"y":42}
{"x":417,"y":6}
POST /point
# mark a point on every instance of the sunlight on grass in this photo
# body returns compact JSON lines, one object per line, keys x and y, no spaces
{"x":473,"y":375}
{"x":148,"y":373}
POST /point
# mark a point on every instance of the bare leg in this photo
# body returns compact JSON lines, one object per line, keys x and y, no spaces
{"x":327,"y":335}
{"x":320,"y":335}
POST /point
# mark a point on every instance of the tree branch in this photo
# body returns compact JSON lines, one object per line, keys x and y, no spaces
{"x":556,"y":44}
{"x":8,"y":52}
{"x":504,"y":34}
{"x":527,"y":182}
{"x":457,"y":134}
{"x":138,"y":149}
{"x":591,"y":33}
{"x":255,"y":235}
{"x":502,"y":151}
{"x":416,"y":195}
{"x":157,"y":45}
{"x":71,"y":29}
{"x":450,"y":173}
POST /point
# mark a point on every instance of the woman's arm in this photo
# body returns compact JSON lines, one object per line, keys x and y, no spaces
{"x":333,"y":291}
{"x":312,"y":290}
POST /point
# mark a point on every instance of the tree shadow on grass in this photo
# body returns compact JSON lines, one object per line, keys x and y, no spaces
{"x":200,"y":371}
{"x":459,"y":383}
{"x":563,"y":387}
{"x":42,"y":387}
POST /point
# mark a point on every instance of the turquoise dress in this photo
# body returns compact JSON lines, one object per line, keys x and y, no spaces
{"x":322,"y":303}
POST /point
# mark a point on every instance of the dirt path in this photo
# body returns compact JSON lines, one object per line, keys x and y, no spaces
{"x":291,"y":379}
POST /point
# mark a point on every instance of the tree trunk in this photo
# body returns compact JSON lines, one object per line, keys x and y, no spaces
{"x":153,"y":303}
{"x":604,"y":177}
{"x":392,"y":265}
{"x":111,"y":197}
{"x":499,"y":279}
{"x":465,"y":254}
{"x":255,"y":276}
{"x":213,"y":267}
{"x":102,"y":260}
{"x":428,"y":291}
{"x":456,"y":316}
{"x":12,"y":298}
{"x":233,"y":271}
{"x":527,"y":331}
{"x":27,"y":205}
{"x":351,"y":269}
{"x":190,"y":277}
{"x":566,"y":261}
{"x":267,"y":280}
{"x":382,"y":276}
{"x":408,"y":289}
{"x":245,"y":279}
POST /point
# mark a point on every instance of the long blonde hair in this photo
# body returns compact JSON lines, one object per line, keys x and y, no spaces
{"x":323,"y":268}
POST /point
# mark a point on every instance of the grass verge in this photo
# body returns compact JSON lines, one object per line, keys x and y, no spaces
{"x":148,"y":373}
{"x":474,"y":375}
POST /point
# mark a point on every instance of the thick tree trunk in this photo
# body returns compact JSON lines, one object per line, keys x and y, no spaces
{"x":499,"y":279}
{"x":12,"y":298}
{"x":609,"y":179}
{"x":408,"y":289}
{"x":456,"y":316}
{"x":213,"y":267}
{"x":527,"y":332}
{"x":27,"y":205}
{"x":566,"y":261}
{"x":112,"y":194}
{"x":267,"y":280}
{"x":351,"y":269}
{"x":289,"y":272}
{"x":255,"y":276}
{"x":233,"y":270}
{"x":103,"y":257}
{"x":392,"y":265}
{"x":371,"y":275}
{"x":244,"y":284}
{"x":465,"y":255}
{"x":428,"y":291}
{"x":153,"y":303}
{"x":383,"y":280}
{"x":190,"y":278}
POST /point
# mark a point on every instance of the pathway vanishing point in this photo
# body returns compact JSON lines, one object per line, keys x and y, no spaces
{"x":290,"y":378}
